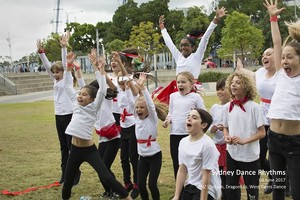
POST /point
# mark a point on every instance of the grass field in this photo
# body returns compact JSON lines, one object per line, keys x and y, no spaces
{"x":30,"y":155}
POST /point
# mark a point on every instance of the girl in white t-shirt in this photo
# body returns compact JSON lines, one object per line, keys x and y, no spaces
{"x":243,"y":127}
{"x":150,"y":157}
{"x":284,"y":112}
{"x":198,"y":174}
{"x":181,"y":103}
{"x":63,"y":107}
{"x":83,"y":149}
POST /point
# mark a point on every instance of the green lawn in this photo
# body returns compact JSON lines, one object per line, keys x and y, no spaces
{"x":30,"y":155}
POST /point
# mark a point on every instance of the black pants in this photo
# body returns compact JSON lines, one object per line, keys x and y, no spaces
{"x":174,"y":144}
{"x":233,"y":188}
{"x":284,"y":151}
{"x":78,"y":155}
{"x":149,"y":165}
{"x":108,"y":152}
{"x":129,"y":154}
{"x":263,"y":161}
{"x":191,"y":192}
{"x":62,"y":121}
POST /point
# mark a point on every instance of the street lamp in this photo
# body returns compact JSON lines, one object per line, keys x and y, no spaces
{"x":9,"y":45}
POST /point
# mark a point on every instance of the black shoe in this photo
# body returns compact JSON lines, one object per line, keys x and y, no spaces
{"x":77,"y":178}
{"x":62,"y":179}
{"x":105,"y":195}
{"x":135,"y":192}
{"x":269,"y":187}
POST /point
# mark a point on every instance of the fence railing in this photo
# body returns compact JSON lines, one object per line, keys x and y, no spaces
{"x":8,"y":84}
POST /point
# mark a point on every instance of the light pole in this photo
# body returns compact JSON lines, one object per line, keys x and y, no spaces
{"x":9,"y":45}
{"x":69,"y":13}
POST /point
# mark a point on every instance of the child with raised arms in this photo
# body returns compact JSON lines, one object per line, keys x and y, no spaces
{"x":83,"y":149}
{"x":150,"y":156}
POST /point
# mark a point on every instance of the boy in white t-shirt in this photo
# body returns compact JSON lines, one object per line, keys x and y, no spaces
{"x":198,"y":172}
{"x":243,"y":127}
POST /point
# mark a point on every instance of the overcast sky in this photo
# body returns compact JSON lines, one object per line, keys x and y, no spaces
{"x":25,"y":21}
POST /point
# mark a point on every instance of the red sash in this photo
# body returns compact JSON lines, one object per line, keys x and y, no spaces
{"x":148,"y":141}
{"x":124,"y":115}
{"x":265,"y":100}
{"x":6,"y":192}
{"x":109,"y":131}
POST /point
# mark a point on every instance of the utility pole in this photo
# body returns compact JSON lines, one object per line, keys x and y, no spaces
{"x":57,"y":16}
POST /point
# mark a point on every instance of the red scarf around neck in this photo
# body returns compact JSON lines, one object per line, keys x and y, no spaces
{"x":239,"y":103}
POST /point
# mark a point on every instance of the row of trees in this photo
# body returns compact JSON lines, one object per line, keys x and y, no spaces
{"x":246,"y":29}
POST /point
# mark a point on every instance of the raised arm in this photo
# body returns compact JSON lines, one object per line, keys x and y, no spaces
{"x":78,"y":71}
{"x":63,"y":40}
{"x":68,"y":79}
{"x":220,"y":13}
{"x":240,"y":68}
{"x":43,"y":57}
{"x":276,"y":36}
{"x":168,"y":40}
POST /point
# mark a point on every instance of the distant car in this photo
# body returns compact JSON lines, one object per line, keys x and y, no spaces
{"x":210,"y":64}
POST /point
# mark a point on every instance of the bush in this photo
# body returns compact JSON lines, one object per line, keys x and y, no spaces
{"x":212,"y":76}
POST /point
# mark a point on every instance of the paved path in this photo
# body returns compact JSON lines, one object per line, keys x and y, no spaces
{"x":29,"y":97}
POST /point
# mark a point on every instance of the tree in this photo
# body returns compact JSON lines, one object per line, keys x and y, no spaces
{"x":83,"y":37}
{"x":53,"y":48}
{"x":240,"y":37}
{"x":115,"y":45}
{"x":151,"y":11}
{"x":144,"y":38}
{"x":124,"y":18}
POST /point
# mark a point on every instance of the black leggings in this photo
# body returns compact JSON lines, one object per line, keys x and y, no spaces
{"x":174,"y":144}
{"x":78,"y":155}
{"x":62,"y":122}
{"x":149,"y":165}
{"x":108,"y":151}
{"x":263,"y":161}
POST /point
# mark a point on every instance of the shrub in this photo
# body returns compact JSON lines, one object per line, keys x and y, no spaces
{"x":212,"y":76}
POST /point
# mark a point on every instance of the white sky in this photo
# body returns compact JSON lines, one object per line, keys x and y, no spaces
{"x":25,"y":21}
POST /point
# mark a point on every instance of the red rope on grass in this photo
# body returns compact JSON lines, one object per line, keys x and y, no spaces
{"x":6,"y":192}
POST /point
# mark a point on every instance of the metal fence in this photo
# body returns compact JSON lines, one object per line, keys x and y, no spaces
{"x":8,"y":84}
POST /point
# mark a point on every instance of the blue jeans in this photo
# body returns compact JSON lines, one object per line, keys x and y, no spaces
{"x":284,"y":152}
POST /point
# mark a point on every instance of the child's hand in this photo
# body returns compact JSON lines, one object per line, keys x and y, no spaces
{"x":162,"y":22}
{"x":220,"y":13}
{"x":272,"y":8}
{"x":40,"y":46}
{"x":116,"y":57}
{"x":237,"y":140}
{"x":71,"y":56}
{"x":239,"y":65}
{"x":166,"y":123}
{"x":63,"y":40}
{"x":76,"y":65}
{"x":228,"y":139}
{"x":93,"y":57}
{"x":214,"y":129}
{"x":102,"y":62}
{"x":141,"y":80}
{"x":220,"y":127}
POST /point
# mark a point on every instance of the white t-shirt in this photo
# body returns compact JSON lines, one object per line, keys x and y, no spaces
{"x":115,"y":106}
{"x":179,"y":108}
{"x":124,"y":106}
{"x":84,"y":117}
{"x":193,"y":62}
{"x":286,"y":99}
{"x":146,"y":129}
{"x":199,"y":155}
{"x":216,"y":113}
{"x":265,"y":88}
{"x":244,"y":125}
